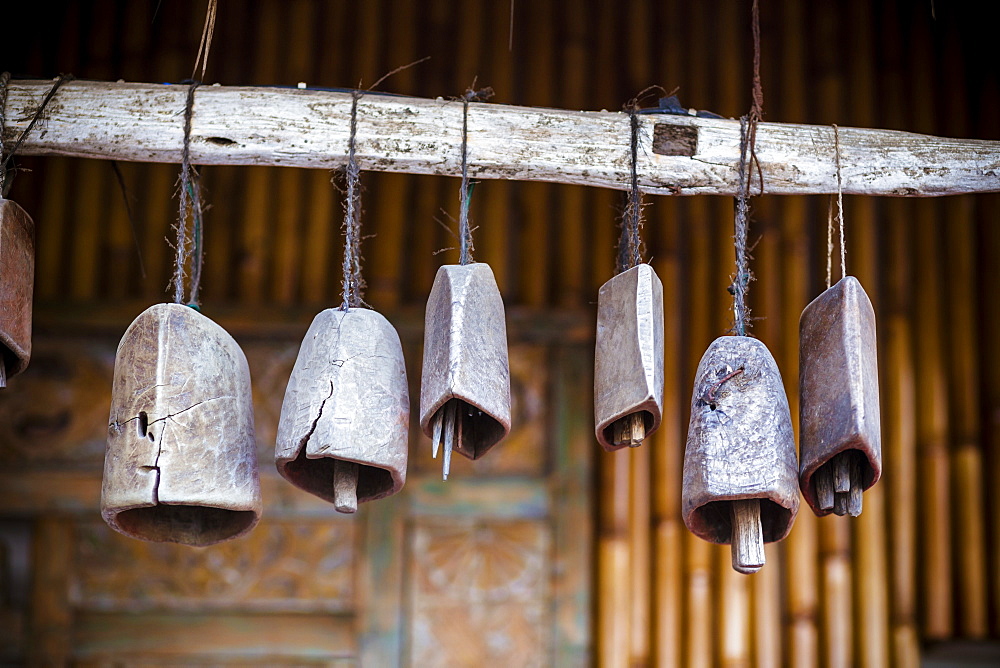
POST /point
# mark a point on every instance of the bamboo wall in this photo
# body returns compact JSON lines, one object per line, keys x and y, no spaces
{"x":923,"y":561}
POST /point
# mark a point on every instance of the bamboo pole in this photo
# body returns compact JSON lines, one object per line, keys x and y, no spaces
{"x":964,"y":366}
{"x":613,"y":607}
{"x":837,"y":637}
{"x":800,"y":548}
{"x":667,"y":454}
{"x":932,"y":404}
{"x":989,"y":215}
{"x":309,"y":128}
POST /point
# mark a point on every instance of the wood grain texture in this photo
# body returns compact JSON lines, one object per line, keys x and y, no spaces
{"x":628,"y":361}
{"x":309,"y":128}
{"x":740,"y":443}
{"x":838,"y":386}
{"x":181,"y":462}
{"x":465,"y":356}
{"x":347,"y":400}
{"x":17,"y":278}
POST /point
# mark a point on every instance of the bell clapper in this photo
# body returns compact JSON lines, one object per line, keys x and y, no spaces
{"x":839,"y":484}
{"x":629,"y":430}
{"x":3,"y":374}
{"x":345,"y":486}
{"x":446,"y":428}
{"x":748,"y":537}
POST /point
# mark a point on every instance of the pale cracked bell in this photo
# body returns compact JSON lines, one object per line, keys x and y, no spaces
{"x":344,"y":422}
{"x":181,"y":461}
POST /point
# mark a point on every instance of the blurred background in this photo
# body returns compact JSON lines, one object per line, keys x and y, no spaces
{"x":549,"y":551}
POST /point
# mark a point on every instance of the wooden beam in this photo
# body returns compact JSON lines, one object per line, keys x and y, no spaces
{"x":680,"y":155}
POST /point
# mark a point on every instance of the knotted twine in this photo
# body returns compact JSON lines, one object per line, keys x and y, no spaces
{"x":353,"y":284}
{"x":465,"y":244}
{"x":840,"y":219}
{"x":4,"y":81}
{"x":748,"y":160}
{"x":630,"y":243}
{"x":188,"y":250}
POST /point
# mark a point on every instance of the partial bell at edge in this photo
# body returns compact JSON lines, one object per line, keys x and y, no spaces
{"x":17,"y":275}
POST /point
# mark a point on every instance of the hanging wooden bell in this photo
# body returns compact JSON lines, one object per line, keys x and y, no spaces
{"x":17,"y":275}
{"x":344,"y":422}
{"x":181,"y":461}
{"x":740,"y":468}
{"x":628,"y":360}
{"x":839,"y":426}
{"x":465,"y":384}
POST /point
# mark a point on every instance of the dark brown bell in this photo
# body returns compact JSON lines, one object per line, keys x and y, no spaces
{"x":739,"y":462}
{"x":628,"y":359}
{"x":465,"y":381}
{"x":181,"y":461}
{"x":17,"y":276}
{"x":344,"y":422}
{"x":839,"y":426}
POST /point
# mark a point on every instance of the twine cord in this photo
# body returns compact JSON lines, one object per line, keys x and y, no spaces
{"x":840,"y":203}
{"x":60,"y":80}
{"x":188,"y":251}
{"x":465,"y":244}
{"x":353,"y":283}
{"x":748,"y":162}
{"x":829,"y":243}
{"x":206,"y":39}
{"x":630,"y":242}
{"x":741,"y":281}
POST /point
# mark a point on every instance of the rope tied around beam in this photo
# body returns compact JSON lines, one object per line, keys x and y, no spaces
{"x":4,"y":182}
{"x":630,"y":241}
{"x":465,"y":243}
{"x":188,"y":251}
{"x":353,"y":285}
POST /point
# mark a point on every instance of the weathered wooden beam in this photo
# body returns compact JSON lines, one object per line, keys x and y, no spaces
{"x":680,"y":155}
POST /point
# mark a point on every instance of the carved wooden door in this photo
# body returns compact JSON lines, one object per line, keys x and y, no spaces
{"x":491,"y":568}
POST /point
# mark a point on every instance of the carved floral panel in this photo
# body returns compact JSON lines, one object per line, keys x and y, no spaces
{"x":479,"y":593}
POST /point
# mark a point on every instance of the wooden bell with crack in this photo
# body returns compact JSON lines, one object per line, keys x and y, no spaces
{"x":628,"y":360}
{"x":17,"y":275}
{"x":465,"y":382}
{"x":181,"y":460}
{"x":344,"y":422}
{"x":839,"y":426}
{"x":739,"y":483}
